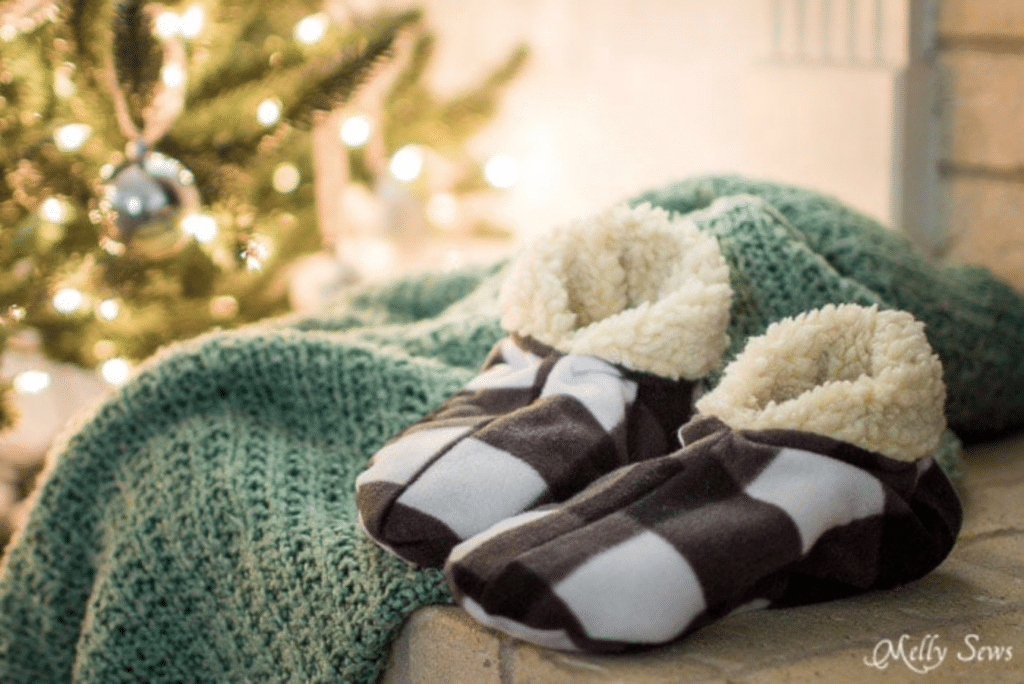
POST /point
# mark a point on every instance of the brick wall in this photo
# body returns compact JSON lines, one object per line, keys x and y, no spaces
{"x":981,"y":168}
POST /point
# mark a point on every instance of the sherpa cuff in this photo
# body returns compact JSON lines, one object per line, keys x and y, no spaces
{"x":852,"y":373}
{"x":636,"y":287}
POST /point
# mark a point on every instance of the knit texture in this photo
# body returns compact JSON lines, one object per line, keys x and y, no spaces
{"x":200,"y":526}
{"x":818,"y":251}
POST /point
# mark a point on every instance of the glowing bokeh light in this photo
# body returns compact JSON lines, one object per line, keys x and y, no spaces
{"x":269,"y":112}
{"x":500,"y":171}
{"x":355,"y":130}
{"x":407,"y":163}
{"x":32,"y":381}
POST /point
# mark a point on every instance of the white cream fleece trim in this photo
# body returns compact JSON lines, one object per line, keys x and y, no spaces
{"x":635,"y":287}
{"x":849,"y":372}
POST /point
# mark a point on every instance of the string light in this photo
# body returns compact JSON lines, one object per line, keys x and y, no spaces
{"x":269,"y":112}
{"x":286,"y":178}
{"x":167,"y":24}
{"x":108,"y":309}
{"x":68,"y":300}
{"x":53,"y":210}
{"x":407,"y":163}
{"x":202,"y":227}
{"x":16,"y":313}
{"x":72,"y":136}
{"x":116,"y":371}
{"x":192,"y":21}
{"x":311,"y":29}
{"x":173,"y":76}
{"x":8,"y":33}
{"x":32,"y":381}
{"x":500,"y":171}
{"x":355,"y":130}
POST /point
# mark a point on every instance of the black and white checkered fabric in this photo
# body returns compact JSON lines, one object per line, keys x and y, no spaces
{"x":535,"y":427}
{"x":735,"y":520}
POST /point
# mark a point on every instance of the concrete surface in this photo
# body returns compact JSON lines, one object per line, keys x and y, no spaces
{"x":962,"y":623}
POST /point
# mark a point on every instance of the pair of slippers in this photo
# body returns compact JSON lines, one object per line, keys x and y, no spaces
{"x":581,"y":494}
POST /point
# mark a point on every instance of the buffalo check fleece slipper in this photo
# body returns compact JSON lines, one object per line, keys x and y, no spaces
{"x":806,"y":476}
{"x":612,"y":320}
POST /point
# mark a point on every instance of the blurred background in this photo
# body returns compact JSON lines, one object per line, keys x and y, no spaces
{"x":167,"y":169}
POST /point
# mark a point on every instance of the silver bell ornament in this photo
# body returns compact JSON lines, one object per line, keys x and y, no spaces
{"x":149,"y":195}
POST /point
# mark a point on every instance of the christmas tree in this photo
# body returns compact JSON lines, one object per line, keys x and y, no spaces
{"x":156,"y":172}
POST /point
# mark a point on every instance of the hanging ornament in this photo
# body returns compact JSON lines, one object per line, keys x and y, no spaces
{"x":148,"y":196}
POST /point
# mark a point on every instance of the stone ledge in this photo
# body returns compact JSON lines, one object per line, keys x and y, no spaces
{"x":442,"y":644}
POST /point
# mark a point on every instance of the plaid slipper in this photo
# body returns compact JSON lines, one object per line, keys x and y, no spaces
{"x":741,"y":517}
{"x":611,"y":321}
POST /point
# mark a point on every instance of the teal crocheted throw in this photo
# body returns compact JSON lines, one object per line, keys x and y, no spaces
{"x":200,"y":525}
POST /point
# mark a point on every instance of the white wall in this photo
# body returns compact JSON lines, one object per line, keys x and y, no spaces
{"x":618,"y":96}
{"x":623,"y":95}
{"x":845,"y":103}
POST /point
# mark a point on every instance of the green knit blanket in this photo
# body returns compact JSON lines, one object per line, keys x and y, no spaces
{"x":199,"y":525}
{"x":817,"y":250}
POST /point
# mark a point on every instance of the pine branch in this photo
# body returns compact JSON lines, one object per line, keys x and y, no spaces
{"x":321,"y":92}
{"x":413,"y":114}
{"x":138,"y":56}
{"x":245,"y":54}
{"x":249,"y":67}
{"x":247,"y":62}
{"x":227,"y":122}
{"x":249,"y":42}
{"x":89,"y":22}
{"x":28,"y":91}
{"x":469,"y":112}
{"x":409,"y":80}
{"x":332,"y":82}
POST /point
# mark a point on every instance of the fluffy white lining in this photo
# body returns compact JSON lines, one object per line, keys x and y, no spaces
{"x":852,"y":373}
{"x":635,"y":287}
